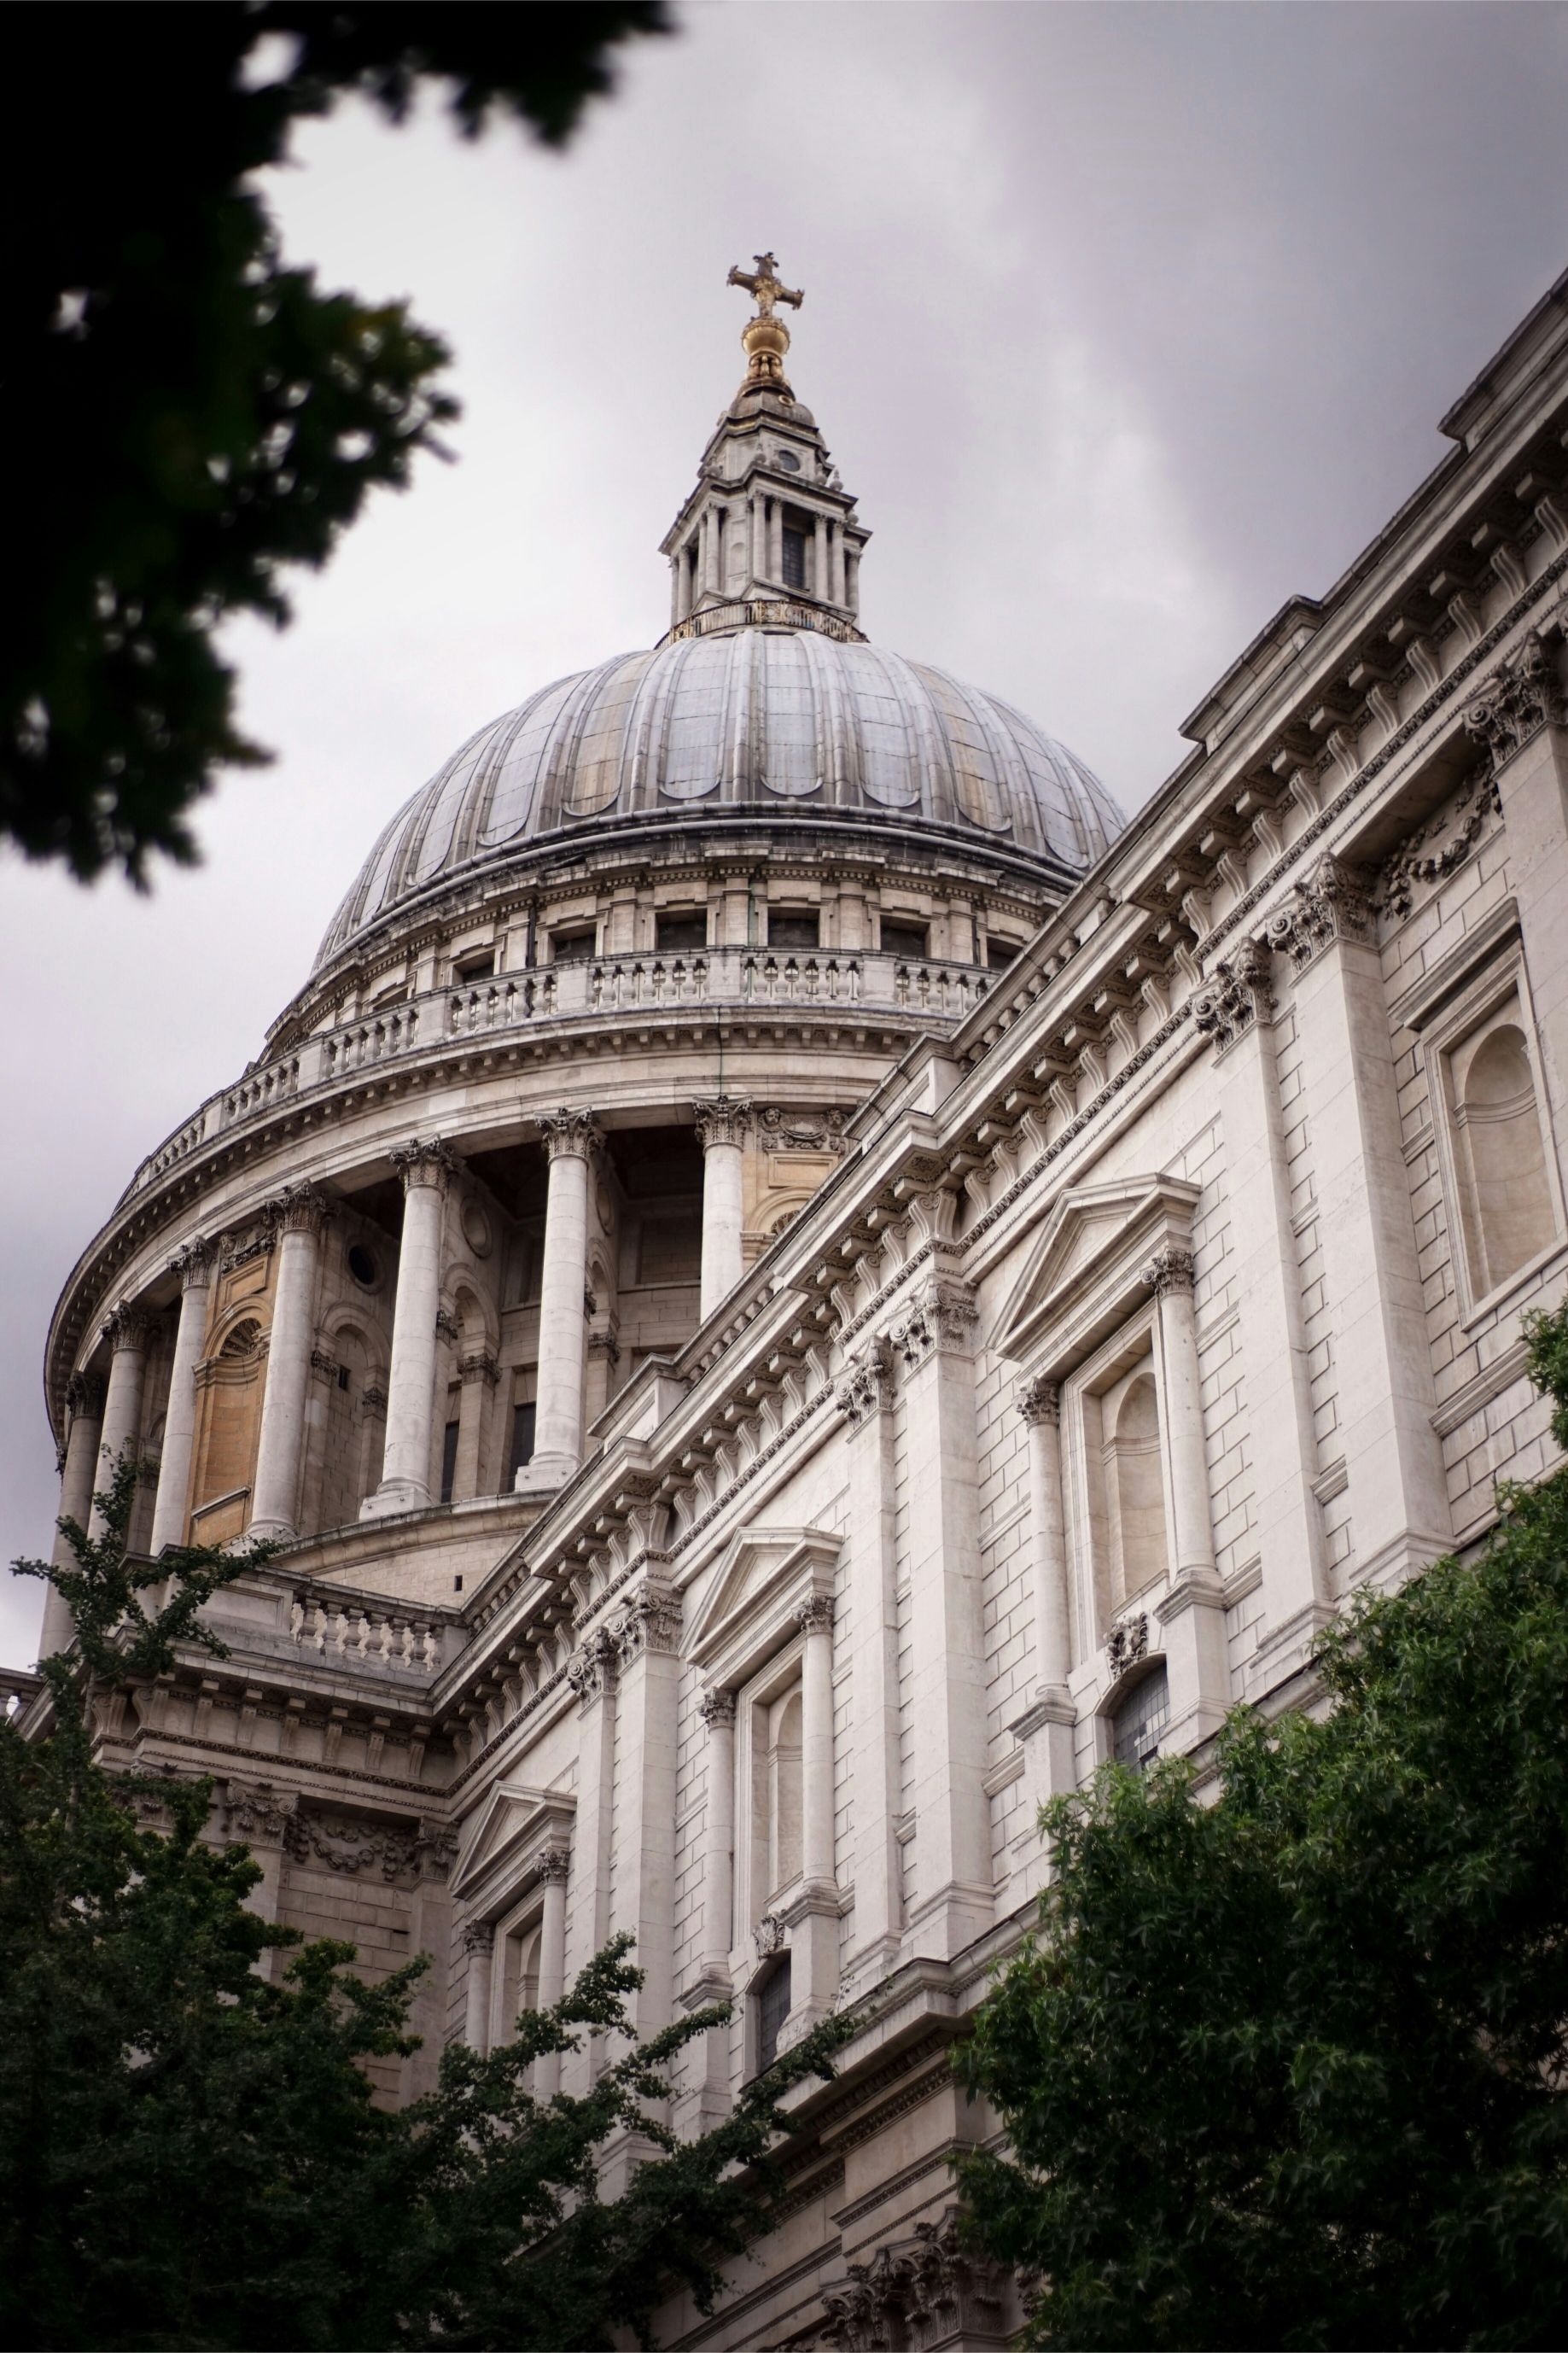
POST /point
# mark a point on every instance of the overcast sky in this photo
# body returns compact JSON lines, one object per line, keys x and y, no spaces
{"x":1122,"y":323}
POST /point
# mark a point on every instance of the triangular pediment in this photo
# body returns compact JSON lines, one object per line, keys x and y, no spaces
{"x":1086,"y":1265}
{"x":510,"y":1828}
{"x":762,"y":1574}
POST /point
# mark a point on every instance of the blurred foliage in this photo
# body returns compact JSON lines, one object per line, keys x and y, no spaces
{"x":190,"y":2151}
{"x":1286,"y":2063}
{"x":187,"y":416}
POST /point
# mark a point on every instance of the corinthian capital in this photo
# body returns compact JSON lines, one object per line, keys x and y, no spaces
{"x":1524,"y":696}
{"x":1039,"y":1401}
{"x":84,"y":1397}
{"x":193,"y":1264}
{"x":1170,"y":1270}
{"x":723,"y":1119}
{"x":302,"y":1210}
{"x":568,"y":1135}
{"x":127,"y":1327}
{"x":425,"y":1161}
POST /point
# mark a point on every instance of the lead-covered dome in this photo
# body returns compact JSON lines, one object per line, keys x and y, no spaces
{"x":755,"y":721}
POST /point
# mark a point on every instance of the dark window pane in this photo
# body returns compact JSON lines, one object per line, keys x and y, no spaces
{"x":794,"y":558}
{"x":448,"y":1460}
{"x":787,"y":929}
{"x":1139,"y":1721}
{"x":477,"y":967}
{"x":572,"y":947}
{"x":999,"y":953}
{"x":773,"y":2009}
{"x":680,"y":933}
{"x":904,"y":939}
{"x":522,"y":1418}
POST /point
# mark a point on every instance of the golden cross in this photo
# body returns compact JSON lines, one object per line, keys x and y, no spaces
{"x":764,"y":282}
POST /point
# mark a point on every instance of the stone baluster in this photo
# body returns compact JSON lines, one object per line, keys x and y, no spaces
{"x":554,"y":1870}
{"x":126,"y":1333}
{"x":84,"y":1407}
{"x":194,"y":1266}
{"x":425,"y":1170}
{"x":301,"y":1215}
{"x":569,"y":1138}
{"x":722,"y":1124}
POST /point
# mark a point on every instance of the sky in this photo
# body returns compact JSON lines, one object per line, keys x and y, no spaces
{"x":1122,"y":322}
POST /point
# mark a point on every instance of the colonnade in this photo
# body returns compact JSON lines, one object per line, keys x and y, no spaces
{"x":106,"y":1414}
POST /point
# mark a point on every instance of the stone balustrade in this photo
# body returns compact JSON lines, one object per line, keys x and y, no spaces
{"x":900,"y":987}
{"x":358,"y":1630}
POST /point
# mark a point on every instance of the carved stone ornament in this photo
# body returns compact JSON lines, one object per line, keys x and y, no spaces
{"x":1332,"y":903}
{"x":802,"y":1131}
{"x":127,"y":1327}
{"x":927,"y":2289}
{"x":258,"y":1238}
{"x":649,"y":1622}
{"x":447,"y":1326}
{"x":425,"y":1161}
{"x":479,"y":1366}
{"x":1240,"y":991}
{"x":257,"y":1813}
{"x":768,"y":1935}
{"x":194,"y":1261}
{"x":590,"y":1669}
{"x":350,"y":1847}
{"x":723,"y":1119}
{"x":84,"y":1397}
{"x":943,"y":1317}
{"x":1523,"y":697}
{"x":1476,"y":804}
{"x":568,"y":1135}
{"x":717,"y":1709}
{"x":1039,"y":1401}
{"x":478,"y":1936}
{"x":302,"y":1210}
{"x":1169,"y":1269}
{"x":867,"y":1385}
{"x":814,"y":1615}
{"x":1127,"y":1642}
{"x":553,"y":1866}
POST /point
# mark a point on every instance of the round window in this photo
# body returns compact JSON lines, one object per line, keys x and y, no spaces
{"x":363,"y":1266}
{"x":477,"y":1229}
{"x":787,"y":459}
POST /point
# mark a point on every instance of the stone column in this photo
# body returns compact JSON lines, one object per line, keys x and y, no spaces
{"x":84,"y":1405}
{"x":721,"y":1123}
{"x":569,"y":1138}
{"x":813,"y":1914}
{"x":126,"y":1333}
{"x":1046,"y":1728}
{"x":952,"y":1897}
{"x":865,"y":1398}
{"x":194,"y":1268}
{"x":592,"y":1672}
{"x":302,"y":1213}
{"x":1237,"y":1010}
{"x":478,"y":1372}
{"x":425,"y":1170}
{"x":649,"y":1674}
{"x":1521,"y":718}
{"x":718,"y":1841}
{"x":821,"y":579}
{"x":1192,"y":1613}
{"x":713,"y":545}
{"x":554,"y":1870}
{"x":479,"y":1943}
{"x":264,"y":1817}
{"x":775,"y":542}
{"x":1382,"y":1354}
{"x":837,"y":568}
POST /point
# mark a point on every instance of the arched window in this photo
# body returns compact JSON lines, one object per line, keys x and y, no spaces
{"x":784,"y":1793}
{"x":773,"y":1999}
{"x":517,"y":1987}
{"x":1135,"y":1487}
{"x":1139,"y":1721}
{"x":1508,"y":1208}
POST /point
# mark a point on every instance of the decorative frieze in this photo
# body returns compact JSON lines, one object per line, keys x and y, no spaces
{"x":348,"y":1846}
{"x":1474,"y":806}
{"x":802,"y":1131}
{"x":1523,"y":697}
{"x":867,"y":1385}
{"x":944,"y":1316}
{"x":1330,"y":903}
{"x":256,"y":1238}
{"x":259,"y":1813}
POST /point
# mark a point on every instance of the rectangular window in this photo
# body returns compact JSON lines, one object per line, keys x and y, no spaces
{"x":448,"y":1460}
{"x":1139,"y":1722}
{"x":905,"y":940}
{"x":572,"y":947}
{"x":793,"y":927}
{"x":773,"y":2009}
{"x":999,"y":953}
{"x":522,"y":1421}
{"x":480,"y":966}
{"x":794,"y":543}
{"x":682,"y":934}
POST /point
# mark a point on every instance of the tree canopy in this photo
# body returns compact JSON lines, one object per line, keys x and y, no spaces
{"x":187,"y":416}
{"x":1286,"y":2063}
{"x":190,"y":2152}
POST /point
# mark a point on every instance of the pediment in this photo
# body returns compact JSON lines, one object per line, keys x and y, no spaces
{"x":511,"y":1829}
{"x":762,"y":1576}
{"x":1086,"y":1267}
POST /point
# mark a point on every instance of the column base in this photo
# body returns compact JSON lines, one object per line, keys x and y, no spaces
{"x":395,"y":1496}
{"x":544,"y":1474}
{"x":270,"y":1532}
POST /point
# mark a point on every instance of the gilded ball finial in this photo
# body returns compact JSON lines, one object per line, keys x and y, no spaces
{"x":765,"y":338}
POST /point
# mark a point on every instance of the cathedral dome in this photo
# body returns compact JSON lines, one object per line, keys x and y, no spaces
{"x":744,"y":723}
